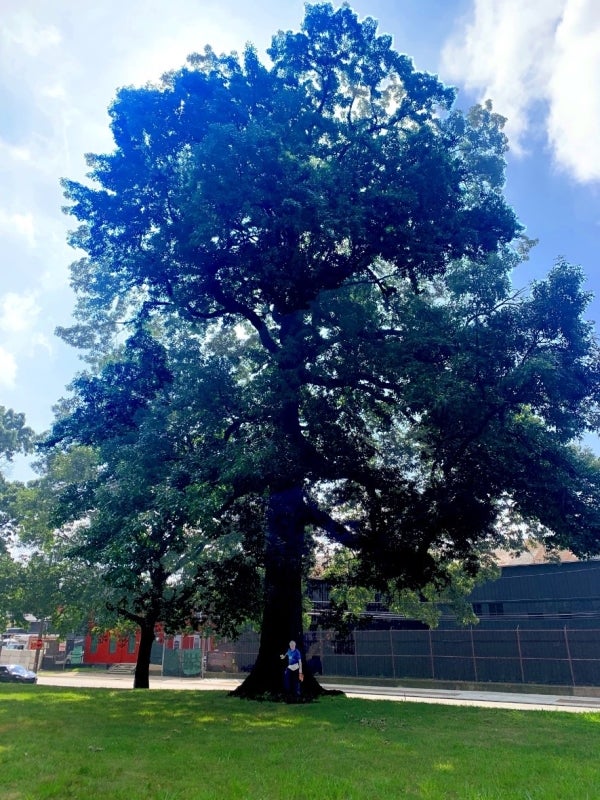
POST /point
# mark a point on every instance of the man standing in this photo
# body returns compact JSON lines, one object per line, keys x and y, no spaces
{"x":293,"y":675}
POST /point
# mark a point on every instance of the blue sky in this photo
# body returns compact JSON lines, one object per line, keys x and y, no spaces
{"x":61,"y":63}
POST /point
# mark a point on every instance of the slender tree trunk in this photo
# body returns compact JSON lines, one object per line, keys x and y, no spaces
{"x":141,"y":678}
{"x":282,"y":615}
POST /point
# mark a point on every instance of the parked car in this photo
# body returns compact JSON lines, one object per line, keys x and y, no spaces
{"x":15,"y":673}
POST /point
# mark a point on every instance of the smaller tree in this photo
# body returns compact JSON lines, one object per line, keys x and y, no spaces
{"x":15,"y":437}
{"x":46,"y":581}
{"x":144,"y":519}
{"x":9,"y":588}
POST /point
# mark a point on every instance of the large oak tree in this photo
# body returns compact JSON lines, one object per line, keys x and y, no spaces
{"x":392,"y":394}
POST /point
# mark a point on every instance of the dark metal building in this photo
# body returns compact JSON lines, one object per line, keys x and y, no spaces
{"x":551,"y":595}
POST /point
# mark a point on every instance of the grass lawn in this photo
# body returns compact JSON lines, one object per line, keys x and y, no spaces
{"x":103,"y":744}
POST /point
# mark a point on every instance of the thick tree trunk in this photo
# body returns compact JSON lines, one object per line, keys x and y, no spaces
{"x":285,"y":545}
{"x":141,"y":678}
{"x":282,"y":614}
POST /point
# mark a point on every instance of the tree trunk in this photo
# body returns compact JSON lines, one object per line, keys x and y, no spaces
{"x":282,"y":614}
{"x":285,"y":545}
{"x":141,"y":678}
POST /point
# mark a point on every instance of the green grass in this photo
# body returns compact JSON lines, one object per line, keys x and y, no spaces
{"x":167,"y":745}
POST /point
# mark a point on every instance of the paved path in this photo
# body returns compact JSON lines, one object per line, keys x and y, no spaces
{"x":546,"y":702}
{"x":459,"y":697}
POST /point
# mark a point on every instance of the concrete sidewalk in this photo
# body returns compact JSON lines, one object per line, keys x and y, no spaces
{"x":516,"y":700}
{"x":458,"y":697}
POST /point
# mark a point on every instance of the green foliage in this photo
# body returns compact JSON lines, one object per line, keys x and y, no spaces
{"x":349,"y":600}
{"x":9,"y":587}
{"x":132,"y":474}
{"x":44,"y":580}
{"x":15,"y":436}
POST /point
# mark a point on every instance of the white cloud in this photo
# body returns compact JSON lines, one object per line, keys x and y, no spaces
{"x":18,"y":312}
{"x":39,"y":341}
{"x":539,"y":62}
{"x":18,"y":153}
{"x":55,"y":91}
{"x":29,"y":36}
{"x":8,"y":369}
{"x":16,"y":224}
{"x":574,"y":118}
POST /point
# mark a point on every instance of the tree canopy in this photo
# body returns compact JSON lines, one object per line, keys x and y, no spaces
{"x":15,"y":437}
{"x":330,"y":238}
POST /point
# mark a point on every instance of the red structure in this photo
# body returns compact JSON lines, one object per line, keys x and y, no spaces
{"x":111,"y":647}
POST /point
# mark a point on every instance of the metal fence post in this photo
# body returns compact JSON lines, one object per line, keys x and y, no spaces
{"x":569,"y":656}
{"x":473,"y":655}
{"x":321,"y":651}
{"x":355,"y":655}
{"x":520,"y":655}
{"x":392,"y":655}
{"x":431,"y":655}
